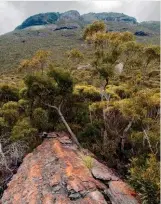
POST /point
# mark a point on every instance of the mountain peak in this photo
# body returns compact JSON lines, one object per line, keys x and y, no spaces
{"x":74,"y":16}
{"x":39,"y":19}
{"x":70,"y":15}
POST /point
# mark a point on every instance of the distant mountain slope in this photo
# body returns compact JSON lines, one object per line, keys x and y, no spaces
{"x":22,"y":44}
{"x":153,"y":25}
{"x":61,"y":32}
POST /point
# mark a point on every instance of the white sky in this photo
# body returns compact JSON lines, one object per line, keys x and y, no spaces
{"x":12,"y":13}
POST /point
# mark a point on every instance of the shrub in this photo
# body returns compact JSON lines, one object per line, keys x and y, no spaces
{"x":88,"y":161}
{"x":75,"y":54}
{"x":63,"y":79}
{"x":144,"y":177}
{"x":40,"y":118}
{"x":8,"y":93}
{"x":3,"y":124}
{"x":87,"y":91}
{"x":90,"y":134}
{"x":24,"y":106}
{"x":10,"y":105}
{"x":10,"y":112}
{"x":23,"y":92}
{"x":23,"y":130}
{"x":97,"y":26}
{"x":122,"y":91}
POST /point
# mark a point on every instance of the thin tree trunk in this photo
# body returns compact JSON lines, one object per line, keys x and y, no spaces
{"x":4,"y":161}
{"x":148,"y":140}
{"x":90,"y":116}
{"x":103,"y":95}
{"x":42,"y":69}
{"x":73,"y":136}
{"x":68,"y":128}
{"x":123,"y":138}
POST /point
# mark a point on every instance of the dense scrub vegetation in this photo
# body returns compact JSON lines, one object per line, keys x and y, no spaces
{"x":109,"y":104}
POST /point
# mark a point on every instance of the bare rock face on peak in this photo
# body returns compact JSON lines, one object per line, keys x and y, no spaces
{"x":56,"y":172}
{"x":70,"y":15}
{"x":74,"y":16}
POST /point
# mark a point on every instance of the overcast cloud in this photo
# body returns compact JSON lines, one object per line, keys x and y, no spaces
{"x":13,"y":13}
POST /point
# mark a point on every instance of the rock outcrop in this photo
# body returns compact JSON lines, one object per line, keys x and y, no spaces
{"x":109,"y":16}
{"x":39,"y":19}
{"x":58,"y":172}
{"x":72,"y":16}
{"x":141,"y":33}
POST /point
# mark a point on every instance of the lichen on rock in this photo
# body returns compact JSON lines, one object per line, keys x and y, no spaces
{"x":55,"y":173}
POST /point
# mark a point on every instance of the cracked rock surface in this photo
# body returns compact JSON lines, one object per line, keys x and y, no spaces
{"x":55,"y":173}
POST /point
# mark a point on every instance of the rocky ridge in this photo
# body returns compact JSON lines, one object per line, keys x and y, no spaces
{"x":58,"y":172}
{"x":72,"y":16}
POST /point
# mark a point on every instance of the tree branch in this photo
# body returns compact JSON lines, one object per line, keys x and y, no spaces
{"x":148,"y":140}
{"x":123,"y":138}
{"x":73,"y":136}
{"x":4,"y":161}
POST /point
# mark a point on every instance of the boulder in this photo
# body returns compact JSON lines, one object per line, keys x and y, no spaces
{"x":141,"y":33}
{"x":55,"y":172}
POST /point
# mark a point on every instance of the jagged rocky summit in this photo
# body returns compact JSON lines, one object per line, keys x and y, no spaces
{"x":71,"y":17}
{"x":56,"y":173}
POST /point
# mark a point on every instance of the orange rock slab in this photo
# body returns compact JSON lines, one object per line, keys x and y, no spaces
{"x":54,"y":173}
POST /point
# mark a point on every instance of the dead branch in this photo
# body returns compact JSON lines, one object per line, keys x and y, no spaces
{"x":148,"y":140}
{"x":3,"y":159}
{"x":58,"y":109}
{"x":123,"y":138}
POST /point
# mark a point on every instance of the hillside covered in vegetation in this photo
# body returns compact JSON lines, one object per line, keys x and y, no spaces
{"x":61,"y":32}
{"x":103,"y":89}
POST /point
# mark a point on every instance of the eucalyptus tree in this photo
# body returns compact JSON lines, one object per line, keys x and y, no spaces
{"x":38,"y":62}
{"x":52,"y":92}
{"x":107,"y":51}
